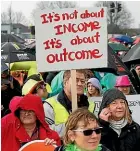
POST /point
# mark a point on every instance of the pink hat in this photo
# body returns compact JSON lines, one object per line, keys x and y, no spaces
{"x":122,"y":81}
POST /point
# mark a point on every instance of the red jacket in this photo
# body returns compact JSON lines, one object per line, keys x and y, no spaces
{"x":13,"y":133}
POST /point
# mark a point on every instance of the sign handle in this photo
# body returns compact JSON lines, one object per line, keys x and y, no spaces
{"x":73,"y":90}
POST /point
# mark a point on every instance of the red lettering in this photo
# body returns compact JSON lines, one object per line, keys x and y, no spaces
{"x":50,"y":58}
{"x":65,"y":53}
{"x":46,"y":43}
{"x":69,"y":56}
{"x":83,"y":27}
{"x":95,"y":53}
{"x":77,"y":55}
{"x":93,"y":39}
{"x":58,"y":31}
{"x":44,"y":18}
{"x":59,"y":44}
{"x":57,"y":17}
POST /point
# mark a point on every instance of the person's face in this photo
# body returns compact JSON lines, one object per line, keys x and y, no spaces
{"x":42,"y":91}
{"x":117,"y":109}
{"x":138,"y":71}
{"x":91,"y":89}
{"x":27,"y":117}
{"x":80,"y":83}
{"x":4,"y":74}
{"x":89,"y":142}
{"x":125,"y":89}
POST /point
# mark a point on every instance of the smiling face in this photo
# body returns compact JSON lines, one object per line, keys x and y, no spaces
{"x":117,"y":109}
{"x":27,"y":117}
{"x":90,"y":142}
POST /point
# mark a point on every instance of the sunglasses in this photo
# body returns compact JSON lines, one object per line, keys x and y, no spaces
{"x":42,"y":86}
{"x":89,"y":131}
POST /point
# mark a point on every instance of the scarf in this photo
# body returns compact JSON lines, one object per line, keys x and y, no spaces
{"x":73,"y":147}
{"x":118,"y":125}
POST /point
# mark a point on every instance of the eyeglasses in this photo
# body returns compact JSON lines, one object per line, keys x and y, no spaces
{"x":89,"y":131}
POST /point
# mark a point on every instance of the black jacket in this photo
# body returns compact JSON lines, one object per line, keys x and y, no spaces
{"x":129,"y":139}
{"x":62,"y":148}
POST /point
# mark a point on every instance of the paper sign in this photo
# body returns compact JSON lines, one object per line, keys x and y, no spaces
{"x":74,"y":38}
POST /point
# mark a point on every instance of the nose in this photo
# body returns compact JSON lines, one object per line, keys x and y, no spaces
{"x":93,"y":135}
{"x":79,"y":82}
{"x":119,"y":105}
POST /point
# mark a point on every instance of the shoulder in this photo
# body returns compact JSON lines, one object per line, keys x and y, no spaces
{"x":104,"y":148}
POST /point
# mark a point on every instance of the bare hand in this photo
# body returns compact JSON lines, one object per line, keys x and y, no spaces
{"x":49,"y":141}
{"x":11,"y":84}
{"x":2,"y":107}
{"x":105,"y":114}
{"x":3,"y":87}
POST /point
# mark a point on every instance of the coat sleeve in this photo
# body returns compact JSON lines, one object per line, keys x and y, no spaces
{"x":50,"y":119}
{"x":105,"y":135}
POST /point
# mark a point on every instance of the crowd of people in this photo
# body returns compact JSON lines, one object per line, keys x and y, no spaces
{"x":39,"y":107}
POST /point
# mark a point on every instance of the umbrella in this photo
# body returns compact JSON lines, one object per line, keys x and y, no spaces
{"x":31,"y":48}
{"x":11,"y":46}
{"x":133,"y":55}
{"x":17,"y":56}
{"x":118,"y":47}
{"x":112,"y":39}
{"x":3,"y":66}
{"x":124,"y":38}
{"x":11,"y":38}
{"x":115,"y":64}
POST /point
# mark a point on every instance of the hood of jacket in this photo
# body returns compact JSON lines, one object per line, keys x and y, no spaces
{"x":34,"y":103}
{"x":14,"y":103}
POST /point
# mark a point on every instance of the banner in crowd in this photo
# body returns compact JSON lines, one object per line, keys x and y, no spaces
{"x":74,"y":38}
{"x":37,"y":145}
{"x":134,"y":105}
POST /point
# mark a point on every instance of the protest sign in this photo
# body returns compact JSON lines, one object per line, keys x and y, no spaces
{"x":133,"y":101}
{"x":37,"y":145}
{"x":74,"y":38}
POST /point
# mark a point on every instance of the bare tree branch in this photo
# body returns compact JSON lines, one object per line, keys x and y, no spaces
{"x":123,"y":19}
{"x":53,"y":5}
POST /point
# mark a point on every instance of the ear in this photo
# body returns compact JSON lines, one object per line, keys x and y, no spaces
{"x":71,"y":135}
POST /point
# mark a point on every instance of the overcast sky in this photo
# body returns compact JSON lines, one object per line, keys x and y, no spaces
{"x":27,"y":6}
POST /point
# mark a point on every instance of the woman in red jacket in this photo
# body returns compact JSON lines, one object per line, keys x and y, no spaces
{"x":25,"y":124}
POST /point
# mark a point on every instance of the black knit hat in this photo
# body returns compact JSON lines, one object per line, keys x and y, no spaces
{"x":111,"y":95}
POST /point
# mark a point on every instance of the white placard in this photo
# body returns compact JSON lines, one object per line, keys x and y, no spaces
{"x":134,"y":105}
{"x":74,"y":38}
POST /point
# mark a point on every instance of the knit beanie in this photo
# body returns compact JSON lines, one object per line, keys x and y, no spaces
{"x":95,"y":82}
{"x":111,"y":95}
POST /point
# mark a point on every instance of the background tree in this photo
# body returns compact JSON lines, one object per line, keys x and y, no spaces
{"x":122,"y":19}
{"x":20,"y":18}
{"x":11,"y":17}
{"x":53,"y":5}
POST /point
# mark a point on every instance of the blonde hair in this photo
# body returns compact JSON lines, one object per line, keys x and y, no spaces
{"x":81,"y":114}
{"x":128,"y":116}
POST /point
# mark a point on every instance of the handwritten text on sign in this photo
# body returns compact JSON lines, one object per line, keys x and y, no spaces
{"x":71,"y":39}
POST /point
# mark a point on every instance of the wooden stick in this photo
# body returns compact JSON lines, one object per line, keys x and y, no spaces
{"x":73,"y":90}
